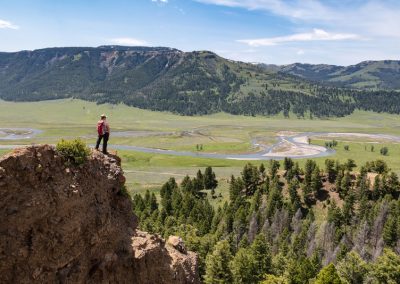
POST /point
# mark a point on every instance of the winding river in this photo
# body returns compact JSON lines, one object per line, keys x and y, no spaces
{"x":18,"y":133}
{"x":289,"y":145}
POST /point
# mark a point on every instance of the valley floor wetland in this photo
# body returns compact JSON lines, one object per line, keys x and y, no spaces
{"x":153,"y":143}
{"x":293,"y":146}
{"x":288,"y":144}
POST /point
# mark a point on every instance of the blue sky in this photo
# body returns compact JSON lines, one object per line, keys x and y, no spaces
{"x":272,"y":31}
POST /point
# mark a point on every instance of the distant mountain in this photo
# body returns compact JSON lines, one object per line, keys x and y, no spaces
{"x":188,"y":83}
{"x":383,"y":74}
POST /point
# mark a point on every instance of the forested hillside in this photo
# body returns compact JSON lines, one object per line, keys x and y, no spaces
{"x":284,"y":224}
{"x":166,"y":79}
{"x":383,"y":74}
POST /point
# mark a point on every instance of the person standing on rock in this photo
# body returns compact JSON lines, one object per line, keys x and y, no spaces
{"x":103,"y":131}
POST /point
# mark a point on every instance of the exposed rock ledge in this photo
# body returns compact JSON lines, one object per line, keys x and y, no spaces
{"x":72,"y":224}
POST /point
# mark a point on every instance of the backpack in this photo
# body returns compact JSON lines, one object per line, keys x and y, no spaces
{"x":100,"y":127}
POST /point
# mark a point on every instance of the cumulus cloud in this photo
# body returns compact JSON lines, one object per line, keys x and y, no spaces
{"x":315,"y":35}
{"x":129,"y":41}
{"x":7,"y":25}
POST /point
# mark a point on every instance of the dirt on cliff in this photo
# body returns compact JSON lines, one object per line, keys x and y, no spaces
{"x":74,"y":224}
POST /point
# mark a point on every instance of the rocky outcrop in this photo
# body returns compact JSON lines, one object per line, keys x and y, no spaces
{"x":74,"y":224}
{"x":152,"y":249}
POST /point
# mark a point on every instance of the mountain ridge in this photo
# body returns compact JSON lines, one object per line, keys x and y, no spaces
{"x":167,"y":79}
{"x":366,"y":74}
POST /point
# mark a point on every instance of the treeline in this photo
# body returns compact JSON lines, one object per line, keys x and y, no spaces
{"x":286,"y":224}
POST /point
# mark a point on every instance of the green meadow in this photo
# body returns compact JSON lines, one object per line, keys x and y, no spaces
{"x":217,"y":133}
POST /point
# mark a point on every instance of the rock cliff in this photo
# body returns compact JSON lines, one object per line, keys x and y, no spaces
{"x":74,"y":224}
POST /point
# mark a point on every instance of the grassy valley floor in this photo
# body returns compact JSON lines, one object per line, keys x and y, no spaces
{"x":217,"y":133}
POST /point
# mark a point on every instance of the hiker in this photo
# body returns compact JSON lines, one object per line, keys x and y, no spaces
{"x":103,"y":130}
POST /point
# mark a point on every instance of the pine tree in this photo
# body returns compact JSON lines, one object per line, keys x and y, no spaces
{"x":273,"y":168}
{"x":338,"y":181}
{"x":352,"y":268}
{"x":377,"y":187}
{"x":296,"y":170}
{"x":316,"y":183}
{"x":275,"y":198}
{"x":197,"y":186}
{"x":200,"y":179}
{"x":335,"y":214}
{"x":301,"y":270}
{"x":308,"y":195}
{"x":262,"y":256}
{"x":235,"y":187}
{"x":210,"y":180}
{"x":345,"y":185}
{"x":294,"y":197}
{"x":217,"y":264}
{"x":262,"y":172}
{"x":251,"y":178}
{"x":393,"y":183}
{"x":390,"y":231}
{"x":239,"y":224}
{"x":288,"y":164}
{"x":363,"y":207}
{"x":244,"y":267}
{"x":166,"y":195}
{"x":362,"y":183}
{"x":328,"y":275}
{"x":330,"y":170}
{"x":349,"y":165}
{"x":153,"y":202}
{"x":348,"y":208}
{"x":309,"y":168}
{"x":386,"y":268}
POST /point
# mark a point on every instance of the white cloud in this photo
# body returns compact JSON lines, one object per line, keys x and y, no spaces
{"x":349,"y":31}
{"x":315,"y":35}
{"x":7,"y":25}
{"x":160,"y":1}
{"x":300,"y":52}
{"x":299,"y":9}
{"x":129,"y":41}
{"x":370,"y":17}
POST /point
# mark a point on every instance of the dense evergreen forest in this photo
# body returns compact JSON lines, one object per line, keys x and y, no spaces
{"x":286,"y":224}
{"x":187,"y":83}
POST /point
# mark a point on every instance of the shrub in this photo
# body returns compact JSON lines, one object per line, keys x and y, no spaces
{"x":75,"y":151}
{"x":384,"y":151}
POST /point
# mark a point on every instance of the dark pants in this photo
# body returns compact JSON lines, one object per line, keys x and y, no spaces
{"x":105,"y":141}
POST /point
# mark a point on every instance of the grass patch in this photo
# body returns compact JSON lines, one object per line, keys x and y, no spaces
{"x":361,"y":152}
